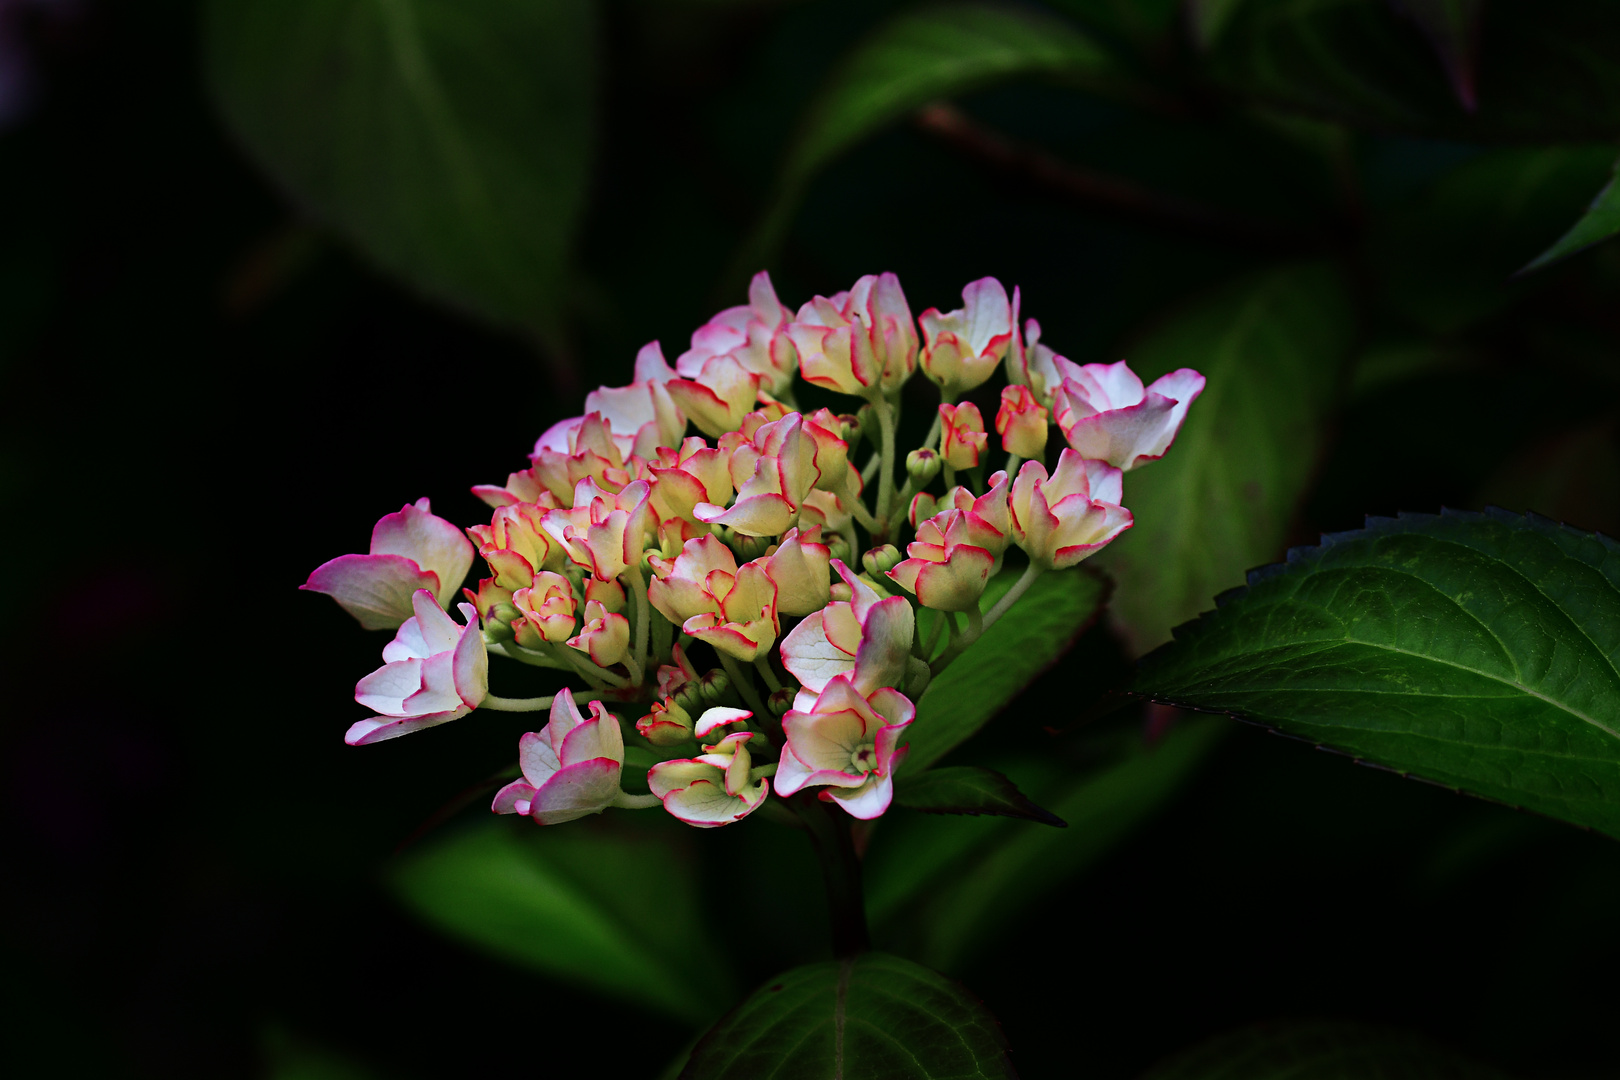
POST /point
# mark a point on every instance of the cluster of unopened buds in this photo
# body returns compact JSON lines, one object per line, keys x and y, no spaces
{"x":629,"y":551}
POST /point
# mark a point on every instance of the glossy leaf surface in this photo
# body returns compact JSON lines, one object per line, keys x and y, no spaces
{"x":872,"y":1015}
{"x":446,"y":139}
{"x":1478,"y":651}
{"x":1220,"y":501}
{"x":581,"y":903}
{"x":967,"y":789}
{"x":1320,"y":1051}
{"x":997,"y":668}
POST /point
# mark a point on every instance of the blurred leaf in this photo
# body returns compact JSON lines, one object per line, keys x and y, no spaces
{"x":868,"y":1016}
{"x":1572,"y":476}
{"x":1546,"y":70}
{"x":605,"y":903}
{"x":447,"y":139}
{"x":917,"y":58}
{"x":1452,"y":27}
{"x":293,"y":1058}
{"x":1477,"y":651}
{"x":1221,"y":499}
{"x":940,"y":888}
{"x":967,"y":789}
{"x":1444,"y":260}
{"x":1601,"y":221}
{"x":1000,"y":665}
{"x":1143,"y":22}
{"x":1320,"y":1051}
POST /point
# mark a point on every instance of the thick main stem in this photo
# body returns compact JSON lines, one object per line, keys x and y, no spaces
{"x":885,"y":496}
{"x":638,"y":659}
{"x":829,"y":829}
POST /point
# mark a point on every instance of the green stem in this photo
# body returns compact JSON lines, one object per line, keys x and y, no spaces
{"x":939,"y":426}
{"x":637,"y":661}
{"x":950,"y":477}
{"x":598,"y":677}
{"x":662,"y":630}
{"x":886,"y":420}
{"x":870,"y":469}
{"x":743,"y":681}
{"x":1020,"y":587}
{"x":829,"y":829}
{"x":637,"y":802}
{"x":513,"y":651}
{"x":1013,"y":461}
{"x":526,"y":704}
{"x":975,"y":627}
{"x":762,"y":665}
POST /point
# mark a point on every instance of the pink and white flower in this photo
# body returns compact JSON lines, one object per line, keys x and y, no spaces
{"x":1105,"y":413}
{"x":548,"y":608}
{"x":1069,"y":516}
{"x":687,"y":476}
{"x":867,"y":638}
{"x":753,"y":334}
{"x":718,"y":395}
{"x":992,"y":524}
{"x":848,"y":744}
{"x":410,"y":550}
{"x":962,"y":348}
{"x":604,"y":532}
{"x":589,"y":451}
{"x":640,"y":417}
{"x":571,"y":767}
{"x":1021,"y":422}
{"x":719,"y":787}
{"x":799,"y":567}
{"x":782,"y":459}
{"x":605,"y":635}
{"x":433,"y":672}
{"x":950,"y":561}
{"x":707,"y":595}
{"x":515,"y":544}
{"x":962,"y":436}
{"x":861,"y":342}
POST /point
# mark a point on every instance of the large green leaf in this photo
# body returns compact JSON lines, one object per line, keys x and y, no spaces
{"x":1320,"y":1051}
{"x":1220,"y":501}
{"x":967,"y":789}
{"x":941,"y":888}
{"x":447,"y":139}
{"x":920,"y":57}
{"x":1478,"y":651}
{"x":605,"y":903}
{"x":871,"y":1015}
{"x":1038,"y":629}
{"x":1545,"y":71}
{"x":1601,"y":221}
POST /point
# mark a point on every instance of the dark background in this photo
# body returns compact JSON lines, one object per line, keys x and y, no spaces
{"x":204,"y":397}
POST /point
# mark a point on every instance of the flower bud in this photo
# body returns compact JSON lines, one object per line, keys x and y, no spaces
{"x":714,"y":686}
{"x":667,"y":725}
{"x":922,"y":466}
{"x":880,"y":560}
{"x":690,"y":697}
{"x":851,"y":426}
{"x":838,"y":548}
{"x":747,"y":548}
{"x":781,"y":701}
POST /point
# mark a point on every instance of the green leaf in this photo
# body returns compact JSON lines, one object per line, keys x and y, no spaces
{"x":910,"y":61}
{"x":1477,"y":651}
{"x":871,"y":1015}
{"x":943,"y":888}
{"x":1320,"y":1051}
{"x":1546,"y":70}
{"x":446,"y":139}
{"x":1220,"y":501}
{"x":1001,"y":664}
{"x":968,"y":789}
{"x":1601,"y":221}
{"x":605,"y":903}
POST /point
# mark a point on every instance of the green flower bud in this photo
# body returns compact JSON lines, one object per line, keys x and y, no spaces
{"x":690,"y":697}
{"x":714,"y":686}
{"x":881,"y":559}
{"x":851,"y":428}
{"x":922,"y":466}
{"x":745,"y":547}
{"x":780,"y":701}
{"x":838,"y":548}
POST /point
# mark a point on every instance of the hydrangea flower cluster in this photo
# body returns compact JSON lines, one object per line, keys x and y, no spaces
{"x":742,"y":588}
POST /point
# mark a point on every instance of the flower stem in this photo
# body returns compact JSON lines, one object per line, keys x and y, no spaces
{"x":513,"y":651}
{"x":1020,"y":587}
{"x":598,"y":677}
{"x":934,"y":432}
{"x":762,"y":664}
{"x":637,"y":660}
{"x":637,"y":802}
{"x":743,"y":680}
{"x":829,"y":829}
{"x":959,"y":645}
{"x":885,"y":414}
{"x":529,"y":704}
{"x":1013,"y":461}
{"x":662,"y":629}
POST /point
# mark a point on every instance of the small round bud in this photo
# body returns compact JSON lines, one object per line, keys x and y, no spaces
{"x":690,"y":697}
{"x":838,"y":548}
{"x":745,"y":547}
{"x":497,"y":633}
{"x":850,"y":428}
{"x":922,"y":466}
{"x":880,"y":560}
{"x":781,"y":701}
{"x":714,"y":686}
